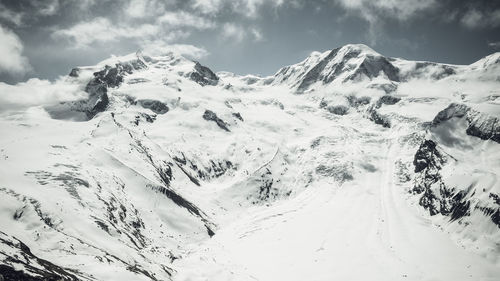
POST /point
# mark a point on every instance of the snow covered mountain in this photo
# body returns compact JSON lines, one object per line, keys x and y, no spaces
{"x":348,"y":165}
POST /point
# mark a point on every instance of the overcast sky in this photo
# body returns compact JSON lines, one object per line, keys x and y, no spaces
{"x":46,"y":39}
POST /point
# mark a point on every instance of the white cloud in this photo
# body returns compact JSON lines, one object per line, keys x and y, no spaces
{"x":231,"y":31}
{"x":247,"y":8}
{"x":159,"y":47}
{"x":146,"y":8}
{"x":136,"y":8}
{"x":12,"y":60}
{"x":373,"y":11}
{"x":494,"y":45}
{"x":207,"y":6}
{"x":477,"y":19}
{"x":237,"y":33}
{"x":184,"y":19}
{"x":168,"y":26}
{"x":102,"y":30}
{"x":257,"y":34}
{"x":399,"y":9}
{"x":36,"y":92}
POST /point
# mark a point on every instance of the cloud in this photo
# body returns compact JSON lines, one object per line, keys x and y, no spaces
{"x":376,"y":11}
{"x":35,"y":92}
{"x":136,"y":8}
{"x":47,"y":8}
{"x":159,"y":47}
{"x":168,"y":26}
{"x":232,"y":31}
{"x":478,"y":19}
{"x":397,"y":9}
{"x":257,"y":34}
{"x":12,"y":60}
{"x":102,"y":30}
{"x":237,"y":33}
{"x":185,"y":19}
{"x":10,"y":16}
{"x":207,"y":6}
{"x":247,"y":8}
{"x":494,"y":45}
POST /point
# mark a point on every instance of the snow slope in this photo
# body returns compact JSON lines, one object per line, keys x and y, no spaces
{"x":348,"y":165}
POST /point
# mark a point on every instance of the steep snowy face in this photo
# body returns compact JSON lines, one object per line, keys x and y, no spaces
{"x":348,"y":63}
{"x":169,"y":171}
{"x":360,"y":64}
{"x":117,"y":70}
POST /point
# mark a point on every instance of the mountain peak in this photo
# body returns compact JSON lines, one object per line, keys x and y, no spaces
{"x":359,"y":48}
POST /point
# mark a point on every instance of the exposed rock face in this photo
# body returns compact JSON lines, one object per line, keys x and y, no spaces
{"x":437,"y":196}
{"x":421,"y":69}
{"x":203,"y":75}
{"x":238,"y":115}
{"x":313,"y":75}
{"x":198,"y":171}
{"x":492,"y":208}
{"x":480,"y":125}
{"x":428,"y":162}
{"x":428,"y":157}
{"x":378,"y":118}
{"x":156,"y":106}
{"x":358,"y":101}
{"x":338,"y":62}
{"x":266,"y":183}
{"x":75,"y":72}
{"x":453,"y":110}
{"x":386,"y":87}
{"x":19,"y":255}
{"x":211,"y":116}
{"x":97,"y":89}
{"x":388,"y":100}
{"x":338,"y":109}
{"x":372,"y":66}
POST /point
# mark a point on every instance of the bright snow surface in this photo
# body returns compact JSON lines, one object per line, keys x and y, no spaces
{"x":293,"y":191}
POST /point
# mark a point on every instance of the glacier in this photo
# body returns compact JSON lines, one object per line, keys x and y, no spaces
{"x":349,"y":165}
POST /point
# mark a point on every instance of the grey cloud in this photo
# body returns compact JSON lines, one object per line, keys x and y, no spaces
{"x":477,"y":19}
{"x":12,"y":60}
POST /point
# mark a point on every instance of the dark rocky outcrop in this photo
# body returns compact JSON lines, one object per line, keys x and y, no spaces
{"x":436,"y":196}
{"x":203,"y":75}
{"x":358,"y":101}
{"x":203,"y":171}
{"x":492,"y":208}
{"x":423,"y":69}
{"x":372,"y":66}
{"x":238,"y":115}
{"x":211,"y":116}
{"x":378,"y":118}
{"x":313,"y":75}
{"x":481,"y":125}
{"x":338,"y":109}
{"x":387,"y":100}
{"x":324,"y":71}
{"x":428,"y":157}
{"x":97,"y":89}
{"x":24,"y":265}
{"x":75,"y":72}
{"x":386,"y":87}
{"x":156,"y":106}
{"x":428,"y":162}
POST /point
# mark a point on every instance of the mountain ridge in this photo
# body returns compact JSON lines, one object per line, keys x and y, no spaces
{"x":165,"y":170}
